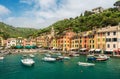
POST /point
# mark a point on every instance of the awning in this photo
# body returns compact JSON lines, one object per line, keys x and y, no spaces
{"x":28,"y":47}
{"x":33,"y":46}
{"x":54,"y":48}
{"x":97,"y":49}
{"x":18,"y":47}
{"x":109,"y":50}
{"x":91,"y":49}
{"x":83,"y":49}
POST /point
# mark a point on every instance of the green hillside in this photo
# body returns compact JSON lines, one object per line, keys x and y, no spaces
{"x":9,"y":31}
{"x":87,"y":21}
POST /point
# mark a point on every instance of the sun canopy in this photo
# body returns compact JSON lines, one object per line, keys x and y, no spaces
{"x":97,"y":49}
{"x":18,"y":47}
{"x":83,"y":49}
{"x":91,"y":49}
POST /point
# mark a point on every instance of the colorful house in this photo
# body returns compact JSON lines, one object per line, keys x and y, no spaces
{"x":112,"y":39}
{"x":75,"y":43}
{"x":11,"y":42}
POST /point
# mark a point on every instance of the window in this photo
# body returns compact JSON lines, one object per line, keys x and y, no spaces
{"x":108,"y":46}
{"x":114,"y":39}
{"x":90,"y":41}
{"x":93,"y":41}
{"x":114,"y":46}
{"x":98,"y":45}
{"x":90,"y":46}
{"x":98,"y":40}
{"x":80,"y":41}
{"x":93,"y":46}
{"x":108,"y":33}
{"x":98,"y":34}
{"x":108,"y":39}
{"x":114,"y":33}
{"x":103,"y":39}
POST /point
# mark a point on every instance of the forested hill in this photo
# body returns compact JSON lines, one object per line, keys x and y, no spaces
{"x":7,"y":31}
{"x":87,"y":21}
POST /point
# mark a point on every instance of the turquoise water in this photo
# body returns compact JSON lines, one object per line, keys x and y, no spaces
{"x":12,"y":68}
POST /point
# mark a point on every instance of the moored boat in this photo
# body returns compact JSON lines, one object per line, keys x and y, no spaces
{"x":28,"y":61}
{"x":85,"y":64}
{"x":31,"y":55}
{"x":1,"y":58}
{"x":49,"y":59}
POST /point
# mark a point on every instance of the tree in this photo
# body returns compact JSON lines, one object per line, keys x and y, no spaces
{"x":117,"y":4}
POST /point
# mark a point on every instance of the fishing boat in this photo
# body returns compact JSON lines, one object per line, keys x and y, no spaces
{"x":49,"y":59}
{"x":1,"y":58}
{"x":28,"y":61}
{"x":85,"y":64}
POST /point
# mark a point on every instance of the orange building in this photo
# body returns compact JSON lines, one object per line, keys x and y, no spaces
{"x":64,"y":41}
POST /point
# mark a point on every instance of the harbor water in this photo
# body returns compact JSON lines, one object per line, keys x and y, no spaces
{"x":12,"y":68}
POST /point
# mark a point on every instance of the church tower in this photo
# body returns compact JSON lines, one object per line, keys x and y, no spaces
{"x":52,"y":32}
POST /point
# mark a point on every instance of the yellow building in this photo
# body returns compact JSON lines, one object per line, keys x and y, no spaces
{"x":54,"y":43}
{"x":101,"y":38}
{"x":92,"y":39}
{"x":75,"y":43}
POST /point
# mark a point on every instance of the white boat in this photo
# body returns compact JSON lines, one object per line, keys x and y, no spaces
{"x":76,"y":55}
{"x":61,"y":56}
{"x":24,"y":55}
{"x":66,"y":57}
{"x":1,"y":58}
{"x":48,"y":59}
{"x":85,"y":64}
{"x":28,"y":61}
{"x":102,"y":56}
{"x":48,"y":55}
{"x":31,"y":55}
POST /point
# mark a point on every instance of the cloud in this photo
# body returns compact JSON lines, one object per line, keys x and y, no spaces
{"x":46,"y":12}
{"x":4,"y":10}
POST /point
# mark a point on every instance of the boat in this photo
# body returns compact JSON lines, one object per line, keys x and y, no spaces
{"x":48,"y":55}
{"x":24,"y":55}
{"x":91,"y":58}
{"x":102,"y":56}
{"x":49,"y":59}
{"x":28,"y":61}
{"x":31,"y":55}
{"x":1,"y":58}
{"x":85,"y":64}
{"x":65,"y":57}
{"x":76,"y":55}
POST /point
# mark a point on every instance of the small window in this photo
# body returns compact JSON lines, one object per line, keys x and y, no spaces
{"x":108,"y":46}
{"x":114,"y":33}
{"x":108,"y":33}
{"x":114,"y":46}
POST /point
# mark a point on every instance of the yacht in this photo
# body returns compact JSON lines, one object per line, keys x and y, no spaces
{"x":48,"y":59}
{"x":85,"y":64}
{"x":28,"y":61}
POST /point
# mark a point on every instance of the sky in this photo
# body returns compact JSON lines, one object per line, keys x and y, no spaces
{"x":43,"y":13}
